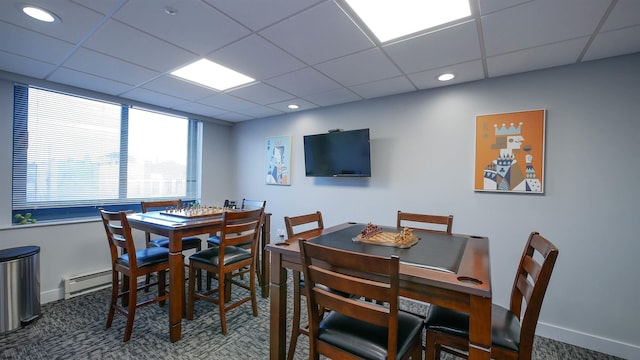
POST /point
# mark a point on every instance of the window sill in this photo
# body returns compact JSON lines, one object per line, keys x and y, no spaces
{"x":50,"y":223}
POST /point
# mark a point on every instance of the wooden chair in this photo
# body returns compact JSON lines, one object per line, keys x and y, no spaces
{"x":355,"y":329}
{"x":303,"y":224}
{"x":513,"y":329}
{"x":188,"y":243}
{"x":214,"y":240}
{"x":228,"y":261}
{"x":131,"y":264}
{"x":447,"y":221}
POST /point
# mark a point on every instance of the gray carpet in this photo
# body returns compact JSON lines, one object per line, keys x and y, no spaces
{"x":75,"y":329}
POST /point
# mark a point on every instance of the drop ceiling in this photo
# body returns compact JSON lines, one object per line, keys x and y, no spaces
{"x":308,"y":52}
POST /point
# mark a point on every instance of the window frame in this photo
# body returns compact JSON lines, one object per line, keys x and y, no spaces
{"x":64,"y":210}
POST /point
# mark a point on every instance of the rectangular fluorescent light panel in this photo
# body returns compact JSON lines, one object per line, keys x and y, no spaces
{"x":391,"y":19}
{"x":210,"y":74}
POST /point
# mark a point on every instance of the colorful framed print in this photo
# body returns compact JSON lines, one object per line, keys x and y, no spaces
{"x":510,"y":152}
{"x":278,"y":160}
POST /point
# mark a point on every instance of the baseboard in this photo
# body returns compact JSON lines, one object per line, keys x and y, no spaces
{"x":589,"y":341}
{"x":51,"y":295}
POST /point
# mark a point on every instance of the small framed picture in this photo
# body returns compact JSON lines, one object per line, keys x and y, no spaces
{"x":278,"y":160}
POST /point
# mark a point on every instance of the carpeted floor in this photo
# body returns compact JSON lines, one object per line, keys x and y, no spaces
{"x":75,"y":329}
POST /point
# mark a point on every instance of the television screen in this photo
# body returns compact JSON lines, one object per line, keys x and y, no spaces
{"x":339,"y":153}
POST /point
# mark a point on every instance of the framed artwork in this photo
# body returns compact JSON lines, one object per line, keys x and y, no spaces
{"x":278,"y":160}
{"x":510,"y":152}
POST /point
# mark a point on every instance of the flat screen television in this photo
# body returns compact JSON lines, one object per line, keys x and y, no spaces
{"x":338,"y":154}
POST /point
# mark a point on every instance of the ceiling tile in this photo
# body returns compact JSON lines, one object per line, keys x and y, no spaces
{"x":233,"y":117}
{"x":33,"y":45}
{"x":227,"y":102}
{"x":563,"y":53}
{"x":626,"y":13}
{"x":152,"y":97}
{"x":385,"y":87}
{"x":489,"y":6}
{"x":24,"y":66}
{"x":283,"y":105}
{"x":170,"y":85}
{"x":319,"y":34}
{"x":197,"y":108}
{"x":259,"y":14}
{"x":88,"y":81}
{"x":452,"y":45}
{"x":132,"y":45}
{"x":98,"y":64}
{"x":365,"y":66}
{"x":195,"y":26}
{"x":260,"y":93}
{"x":241,"y":56}
{"x":260,"y":112}
{"x":540,"y":22}
{"x":613,"y":43}
{"x":465,"y":72}
{"x":333,"y":97}
{"x":304,"y":82}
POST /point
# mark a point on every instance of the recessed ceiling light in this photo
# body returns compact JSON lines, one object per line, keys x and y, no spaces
{"x":293,"y":106}
{"x":170,"y":10}
{"x":40,"y":14}
{"x":446,"y":77}
{"x":206,"y":72}
{"x":389,"y":20}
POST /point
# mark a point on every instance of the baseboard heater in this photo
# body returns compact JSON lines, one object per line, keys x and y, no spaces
{"x":86,"y":283}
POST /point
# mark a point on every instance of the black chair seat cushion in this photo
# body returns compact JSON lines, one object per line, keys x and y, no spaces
{"x":232,"y":254}
{"x":367,"y":340}
{"x":146,"y":257}
{"x":189,"y":242}
{"x":215,"y":241}
{"x":505,"y":326}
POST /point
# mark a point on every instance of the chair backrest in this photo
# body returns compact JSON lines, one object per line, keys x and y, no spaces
{"x":253,"y":204}
{"x":159,"y":205}
{"x":241,"y":227}
{"x":361,"y":275}
{"x":298,"y":225}
{"x":530,"y":284}
{"x":119,"y":235}
{"x":445,"y":220}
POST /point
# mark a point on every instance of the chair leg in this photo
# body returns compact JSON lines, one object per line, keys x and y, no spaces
{"x":295,"y":328}
{"x":432,"y":350}
{"x":252,"y":289}
{"x":223,"y":316}
{"x":115,"y":288}
{"x":192,"y":293}
{"x":162,"y":290}
{"x":131,"y":311}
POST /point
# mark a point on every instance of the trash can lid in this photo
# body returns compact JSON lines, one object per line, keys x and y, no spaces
{"x":18,"y":252}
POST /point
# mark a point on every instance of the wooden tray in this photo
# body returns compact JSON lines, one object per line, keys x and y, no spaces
{"x":387,"y":239}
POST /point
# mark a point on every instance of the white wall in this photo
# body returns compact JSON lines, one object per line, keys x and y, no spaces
{"x":422,"y":159}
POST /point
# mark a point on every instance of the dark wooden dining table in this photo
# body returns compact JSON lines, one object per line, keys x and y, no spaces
{"x":175,"y":228}
{"x":448,"y":270}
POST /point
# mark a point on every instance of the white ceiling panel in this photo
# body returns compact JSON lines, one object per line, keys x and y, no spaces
{"x":240,"y":56}
{"x":469,"y":71}
{"x":452,"y":45}
{"x":540,"y":57}
{"x":123,"y":42}
{"x":195,"y":26}
{"x":540,"y":22}
{"x":304,"y":82}
{"x":91,"y":62}
{"x":257,"y":15}
{"x":319,"y":34}
{"x":261,"y":93}
{"x":359,"y":68}
{"x":305,"y":51}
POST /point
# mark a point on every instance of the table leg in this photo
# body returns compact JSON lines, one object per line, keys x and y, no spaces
{"x":480,"y":328}
{"x":278,"y":319}
{"x":176,"y":287}
{"x":264,"y":257}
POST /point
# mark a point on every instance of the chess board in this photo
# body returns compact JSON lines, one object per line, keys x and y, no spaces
{"x":193,"y":213}
{"x":387,"y":239}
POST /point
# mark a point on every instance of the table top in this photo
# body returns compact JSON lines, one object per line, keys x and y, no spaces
{"x":455,"y":262}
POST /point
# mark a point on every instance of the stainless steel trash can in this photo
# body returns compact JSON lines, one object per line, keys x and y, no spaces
{"x":19,"y":287}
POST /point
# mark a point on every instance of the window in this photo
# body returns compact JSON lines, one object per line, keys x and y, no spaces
{"x":73,"y":154}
